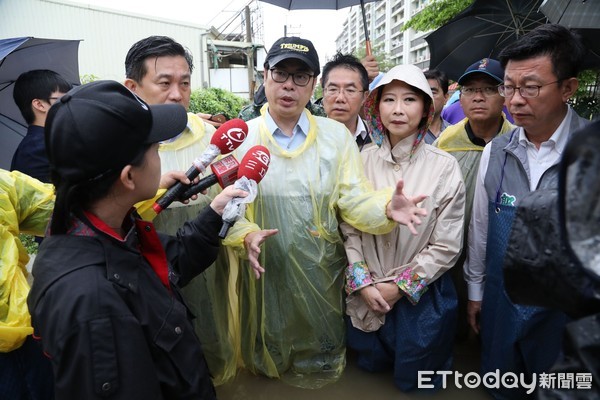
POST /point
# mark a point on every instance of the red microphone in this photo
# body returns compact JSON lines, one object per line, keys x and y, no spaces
{"x":252,"y":170}
{"x":224,"y":173}
{"x":226,"y":139}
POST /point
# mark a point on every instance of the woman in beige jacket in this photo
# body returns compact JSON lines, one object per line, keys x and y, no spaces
{"x":401,"y":304}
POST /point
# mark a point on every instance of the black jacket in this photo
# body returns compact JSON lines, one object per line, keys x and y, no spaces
{"x":110,"y":326}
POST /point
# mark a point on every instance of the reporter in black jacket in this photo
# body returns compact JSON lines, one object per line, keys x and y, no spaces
{"x":105,"y":299}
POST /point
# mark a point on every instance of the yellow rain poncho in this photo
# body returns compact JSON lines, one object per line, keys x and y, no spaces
{"x":207,"y":294}
{"x":292,"y":317}
{"x":456,"y":142}
{"x":25,"y":206}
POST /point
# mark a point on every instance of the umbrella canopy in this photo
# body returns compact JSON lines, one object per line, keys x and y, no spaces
{"x":481,"y":30}
{"x":22,"y":54}
{"x":326,"y":5}
{"x":583,"y":14}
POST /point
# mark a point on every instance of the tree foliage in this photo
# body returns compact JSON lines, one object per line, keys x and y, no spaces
{"x":29,"y":243}
{"x":436,"y":14}
{"x":587,"y":98}
{"x":216,"y":100}
{"x":87,"y":78}
{"x":378,"y":50}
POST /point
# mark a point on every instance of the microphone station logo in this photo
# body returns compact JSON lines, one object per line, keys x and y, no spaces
{"x":509,"y":380}
{"x":259,"y":161}
{"x":233,"y":137}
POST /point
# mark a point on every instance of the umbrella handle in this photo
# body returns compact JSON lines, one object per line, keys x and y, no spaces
{"x":364,"y":18}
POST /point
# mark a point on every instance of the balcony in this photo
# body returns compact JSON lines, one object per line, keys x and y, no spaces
{"x":397,"y":7}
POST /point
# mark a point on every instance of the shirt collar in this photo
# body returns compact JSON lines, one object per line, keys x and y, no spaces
{"x":559,"y":137}
{"x":101,"y":226}
{"x":302,"y":125}
{"x":361,"y":129}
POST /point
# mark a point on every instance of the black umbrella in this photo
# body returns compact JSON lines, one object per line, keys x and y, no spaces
{"x":326,"y":5}
{"x":22,"y":54}
{"x":481,"y":30}
{"x":573,"y":13}
{"x":583,"y":16}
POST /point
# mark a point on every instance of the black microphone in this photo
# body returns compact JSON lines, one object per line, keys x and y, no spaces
{"x":224,"y":173}
{"x":225,"y":139}
{"x":253,"y":169}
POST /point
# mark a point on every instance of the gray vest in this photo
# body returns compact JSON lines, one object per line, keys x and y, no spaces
{"x":510,"y":159}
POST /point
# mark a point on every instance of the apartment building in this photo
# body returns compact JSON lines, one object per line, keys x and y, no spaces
{"x":384,"y":20}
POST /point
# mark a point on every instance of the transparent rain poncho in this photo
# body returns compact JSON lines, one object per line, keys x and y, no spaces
{"x":291,"y":319}
{"x":208,"y":294}
{"x":25,"y":206}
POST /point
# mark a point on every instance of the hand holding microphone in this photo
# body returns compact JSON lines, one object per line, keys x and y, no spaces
{"x":224,"y":173}
{"x":226,"y":139}
{"x":252,"y":170}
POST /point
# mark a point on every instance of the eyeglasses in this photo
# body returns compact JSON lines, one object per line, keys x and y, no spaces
{"x":350,"y":93}
{"x":299,"y":78}
{"x":487,"y":91}
{"x":525,"y":91}
{"x":50,"y":100}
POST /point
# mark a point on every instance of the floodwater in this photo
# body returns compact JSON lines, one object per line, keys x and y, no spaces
{"x":356,"y":384}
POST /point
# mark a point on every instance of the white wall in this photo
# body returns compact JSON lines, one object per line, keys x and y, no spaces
{"x":106,"y":34}
{"x":234,"y":80}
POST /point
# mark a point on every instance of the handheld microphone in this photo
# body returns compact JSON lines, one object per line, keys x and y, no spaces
{"x":253,"y":169}
{"x":224,"y":173}
{"x":225,"y":139}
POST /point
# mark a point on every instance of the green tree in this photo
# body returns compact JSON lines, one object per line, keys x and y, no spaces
{"x":436,"y":14}
{"x":378,"y":50}
{"x":216,"y":100}
{"x":87,"y":78}
{"x":29,"y":243}
{"x":587,"y":98}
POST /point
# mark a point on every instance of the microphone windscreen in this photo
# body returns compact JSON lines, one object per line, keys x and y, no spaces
{"x":230,"y":135}
{"x":255,"y":163}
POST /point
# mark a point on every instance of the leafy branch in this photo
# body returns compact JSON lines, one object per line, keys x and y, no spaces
{"x":436,"y":14}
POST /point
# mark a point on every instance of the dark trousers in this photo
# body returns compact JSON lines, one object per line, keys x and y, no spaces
{"x":26,"y":373}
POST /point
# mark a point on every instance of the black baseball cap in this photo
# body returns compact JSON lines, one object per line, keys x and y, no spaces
{"x":102,"y":126}
{"x":294,"y":47}
{"x":487,"y":66}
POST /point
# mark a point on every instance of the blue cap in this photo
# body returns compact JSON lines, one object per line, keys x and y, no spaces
{"x":486,"y":66}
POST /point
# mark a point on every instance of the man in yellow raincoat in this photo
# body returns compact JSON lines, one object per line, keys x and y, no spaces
{"x":159,"y":70}
{"x":292,"y":319}
{"x":25,"y":206}
{"x":465,"y":140}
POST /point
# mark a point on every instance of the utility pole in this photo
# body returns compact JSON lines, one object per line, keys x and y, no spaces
{"x":249,"y":54}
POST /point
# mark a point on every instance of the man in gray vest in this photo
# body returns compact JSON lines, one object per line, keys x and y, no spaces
{"x":540,"y":76}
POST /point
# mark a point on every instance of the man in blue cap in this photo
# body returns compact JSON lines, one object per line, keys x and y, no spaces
{"x":482,"y":104}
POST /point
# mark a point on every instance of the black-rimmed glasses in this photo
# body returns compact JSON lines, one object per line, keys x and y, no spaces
{"x":299,"y":78}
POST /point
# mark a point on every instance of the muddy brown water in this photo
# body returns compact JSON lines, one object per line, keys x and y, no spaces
{"x":355,"y":384}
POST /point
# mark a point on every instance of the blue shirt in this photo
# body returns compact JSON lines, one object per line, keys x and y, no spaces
{"x":30,"y":157}
{"x":298,"y":135}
